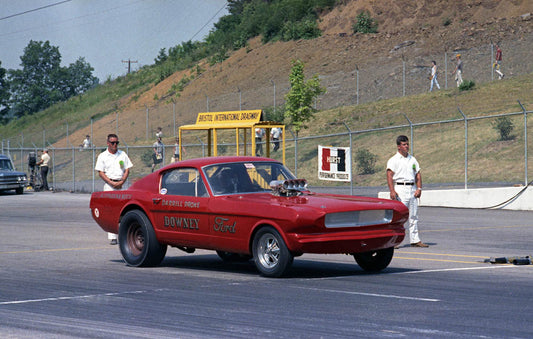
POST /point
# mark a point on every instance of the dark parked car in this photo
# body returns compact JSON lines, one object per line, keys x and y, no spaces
{"x":9,"y":178}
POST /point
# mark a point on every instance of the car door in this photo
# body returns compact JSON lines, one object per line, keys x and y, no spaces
{"x":181,"y":213}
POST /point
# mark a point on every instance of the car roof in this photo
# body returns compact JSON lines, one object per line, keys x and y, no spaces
{"x":201,"y":162}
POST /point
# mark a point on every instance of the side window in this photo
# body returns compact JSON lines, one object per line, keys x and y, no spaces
{"x":183,"y":181}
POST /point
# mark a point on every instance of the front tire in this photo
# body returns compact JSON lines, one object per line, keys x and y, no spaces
{"x":137,"y":241}
{"x":374,"y":261}
{"x":19,"y":190}
{"x":271,"y":255}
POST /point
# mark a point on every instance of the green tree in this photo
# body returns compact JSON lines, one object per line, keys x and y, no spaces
{"x":299,"y":99}
{"x":4,"y":94}
{"x":42,"y":81}
{"x":32,"y":87}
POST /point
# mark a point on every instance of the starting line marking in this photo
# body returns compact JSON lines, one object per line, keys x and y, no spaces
{"x":369,"y":294}
{"x":454,"y":269}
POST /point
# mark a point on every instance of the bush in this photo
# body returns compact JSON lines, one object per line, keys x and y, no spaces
{"x":366,"y":161}
{"x":146,"y":158}
{"x":365,"y":24}
{"x":467,"y":85}
{"x":505,"y":127}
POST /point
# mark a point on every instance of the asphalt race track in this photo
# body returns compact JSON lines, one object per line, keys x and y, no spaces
{"x":60,"y":278}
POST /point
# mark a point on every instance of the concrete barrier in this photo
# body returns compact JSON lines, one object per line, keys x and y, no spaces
{"x":476,"y":198}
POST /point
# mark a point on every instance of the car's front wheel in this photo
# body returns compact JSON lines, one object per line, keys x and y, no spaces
{"x":137,"y":241}
{"x":271,"y":255}
{"x":374,"y":261}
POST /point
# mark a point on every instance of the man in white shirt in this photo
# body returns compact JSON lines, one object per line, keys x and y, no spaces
{"x":113,"y":167}
{"x":405,"y":184}
{"x":44,"y":166}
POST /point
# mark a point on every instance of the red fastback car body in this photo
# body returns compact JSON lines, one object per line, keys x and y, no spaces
{"x":244,"y":208}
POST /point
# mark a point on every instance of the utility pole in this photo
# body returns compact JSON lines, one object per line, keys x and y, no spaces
{"x":129,"y":64}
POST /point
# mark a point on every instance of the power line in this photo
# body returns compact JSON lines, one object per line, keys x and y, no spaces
{"x":208,"y":21}
{"x":34,"y":10}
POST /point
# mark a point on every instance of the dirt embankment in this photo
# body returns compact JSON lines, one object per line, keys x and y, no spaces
{"x":412,"y":31}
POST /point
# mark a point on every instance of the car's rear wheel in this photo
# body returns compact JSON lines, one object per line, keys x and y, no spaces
{"x":271,"y":255}
{"x":233,"y":257}
{"x":137,"y":241}
{"x":374,"y":261}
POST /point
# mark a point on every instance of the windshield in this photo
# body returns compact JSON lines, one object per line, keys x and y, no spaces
{"x":244,"y":177}
{"x":5,"y":165}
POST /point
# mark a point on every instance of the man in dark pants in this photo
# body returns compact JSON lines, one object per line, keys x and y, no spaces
{"x":44,"y":164}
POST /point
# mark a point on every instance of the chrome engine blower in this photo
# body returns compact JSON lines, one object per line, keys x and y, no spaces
{"x":288,"y":188}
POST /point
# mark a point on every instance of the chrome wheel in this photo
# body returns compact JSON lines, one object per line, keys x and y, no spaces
{"x":268,"y":251}
{"x":271,"y":255}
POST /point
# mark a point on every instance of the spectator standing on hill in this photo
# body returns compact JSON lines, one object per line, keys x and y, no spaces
{"x":86,"y":144}
{"x":433,"y":76}
{"x":176,"y":156}
{"x":498,"y":62}
{"x":405,"y":184}
{"x":158,"y":154}
{"x":458,"y":71}
{"x":159,"y":133}
{"x":113,"y":167}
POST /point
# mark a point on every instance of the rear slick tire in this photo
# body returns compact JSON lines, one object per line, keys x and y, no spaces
{"x":137,"y":241}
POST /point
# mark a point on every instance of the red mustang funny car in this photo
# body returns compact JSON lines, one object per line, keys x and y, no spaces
{"x":245,"y":208}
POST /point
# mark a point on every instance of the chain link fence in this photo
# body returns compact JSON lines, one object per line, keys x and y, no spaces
{"x":73,"y":167}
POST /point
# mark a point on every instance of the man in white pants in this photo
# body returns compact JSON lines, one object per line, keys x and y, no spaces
{"x":405,"y":184}
{"x":113,"y":167}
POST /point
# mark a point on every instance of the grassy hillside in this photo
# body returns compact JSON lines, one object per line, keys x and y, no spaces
{"x":431,"y":27}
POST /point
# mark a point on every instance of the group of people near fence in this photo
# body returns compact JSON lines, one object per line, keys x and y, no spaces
{"x":458,"y":70}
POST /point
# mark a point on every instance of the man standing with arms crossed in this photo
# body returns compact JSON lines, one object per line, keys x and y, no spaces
{"x":405,"y":184}
{"x":113,"y":167}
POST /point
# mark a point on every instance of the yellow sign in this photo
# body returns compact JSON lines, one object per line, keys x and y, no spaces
{"x":252,"y":116}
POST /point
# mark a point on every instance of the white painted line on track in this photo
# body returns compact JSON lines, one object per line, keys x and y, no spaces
{"x":369,"y":294}
{"x":453,"y":269}
{"x":27,"y":301}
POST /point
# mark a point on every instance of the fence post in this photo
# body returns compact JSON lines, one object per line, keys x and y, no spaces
{"x":146,"y":121}
{"x":525,"y":142}
{"x":403,"y":62}
{"x":274,"y":84}
{"x":351,"y":156}
{"x":240,"y":98}
{"x":411,"y":130}
{"x":491,"y":61}
{"x":466,"y":147}
{"x":446,"y":70}
{"x":357,"y":84}
{"x":295,"y":154}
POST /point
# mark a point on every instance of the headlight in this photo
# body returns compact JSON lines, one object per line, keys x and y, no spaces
{"x":358,"y":218}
